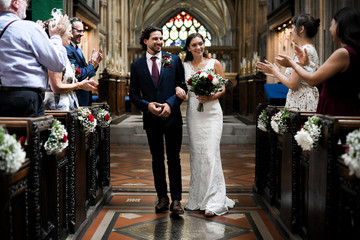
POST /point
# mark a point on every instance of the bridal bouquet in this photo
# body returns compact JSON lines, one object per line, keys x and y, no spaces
{"x":278,"y":121}
{"x":87,"y":120}
{"x":57,"y":140}
{"x":263,"y":121}
{"x":308,"y":136}
{"x":12,"y":155}
{"x":103,"y":118}
{"x":352,"y":155}
{"x":205,"y":83}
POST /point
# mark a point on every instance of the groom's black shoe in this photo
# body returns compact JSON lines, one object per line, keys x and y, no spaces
{"x":176,"y":208}
{"x":162,"y":205}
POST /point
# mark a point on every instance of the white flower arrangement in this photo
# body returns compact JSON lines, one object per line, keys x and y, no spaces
{"x":103,"y":118}
{"x":12,"y":155}
{"x":278,"y":121}
{"x":263,"y":121}
{"x":308,"y":136}
{"x":57,"y":140}
{"x":352,"y":155}
{"x":87,"y":120}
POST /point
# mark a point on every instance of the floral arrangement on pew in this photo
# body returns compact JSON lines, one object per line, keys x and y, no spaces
{"x":57,"y":140}
{"x":87,"y":120}
{"x":205,"y":83}
{"x":12,"y":155}
{"x":352,"y":154}
{"x":279,"y":121}
{"x":263,"y":121}
{"x":308,"y":135}
{"x":103,"y":118}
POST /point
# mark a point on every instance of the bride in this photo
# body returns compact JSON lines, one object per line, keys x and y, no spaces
{"x":207,"y":183}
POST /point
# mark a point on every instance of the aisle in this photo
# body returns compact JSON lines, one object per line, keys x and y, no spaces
{"x":130,"y":213}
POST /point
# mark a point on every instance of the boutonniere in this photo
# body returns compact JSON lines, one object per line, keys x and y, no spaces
{"x":166,"y":61}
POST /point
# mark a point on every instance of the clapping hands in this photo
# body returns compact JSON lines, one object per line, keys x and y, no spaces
{"x":88,"y":85}
{"x":96,"y":57}
{"x":60,"y":27}
{"x":268,"y":68}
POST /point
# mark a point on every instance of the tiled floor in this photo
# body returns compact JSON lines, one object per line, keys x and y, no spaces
{"x":130,"y":213}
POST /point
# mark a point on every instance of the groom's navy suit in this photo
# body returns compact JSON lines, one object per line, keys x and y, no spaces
{"x":143,"y":91}
{"x":87,"y":71}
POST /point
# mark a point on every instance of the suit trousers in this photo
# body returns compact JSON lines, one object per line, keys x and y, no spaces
{"x":21,"y":103}
{"x":173,"y":140}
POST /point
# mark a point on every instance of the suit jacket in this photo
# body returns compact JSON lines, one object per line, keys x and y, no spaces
{"x":143,"y":90}
{"x":87,"y":71}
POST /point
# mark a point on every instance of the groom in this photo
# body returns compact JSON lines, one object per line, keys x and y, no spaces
{"x":153,"y":80}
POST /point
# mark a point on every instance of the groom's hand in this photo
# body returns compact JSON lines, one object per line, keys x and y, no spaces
{"x":155,"y":108}
{"x":166,"y":110}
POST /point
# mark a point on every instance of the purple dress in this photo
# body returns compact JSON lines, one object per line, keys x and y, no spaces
{"x":340,"y":94}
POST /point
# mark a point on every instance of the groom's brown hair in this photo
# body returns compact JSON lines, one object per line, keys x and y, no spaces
{"x":145,"y":34}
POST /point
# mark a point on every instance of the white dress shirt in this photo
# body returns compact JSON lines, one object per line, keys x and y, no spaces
{"x":150,"y":62}
{"x":26,"y":52}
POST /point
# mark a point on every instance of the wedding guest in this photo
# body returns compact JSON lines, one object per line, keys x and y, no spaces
{"x":301,"y":96}
{"x":207,"y":183}
{"x":339,"y":74}
{"x":152,"y":89}
{"x":26,"y":54}
{"x":61,"y":95}
{"x":76,"y":57}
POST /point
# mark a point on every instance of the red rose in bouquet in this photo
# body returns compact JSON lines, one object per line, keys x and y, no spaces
{"x":205,"y":83}
{"x":107,"y":117}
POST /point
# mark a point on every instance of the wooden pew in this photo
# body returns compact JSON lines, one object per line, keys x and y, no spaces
{"x":41,"y":196}
{"x":292,"y":174}
{"x":99,"y":171}
{"x":324,"y":179}
{"x":267,"y":170}
{"x":14,"y":203}
{"x":76,"y":178}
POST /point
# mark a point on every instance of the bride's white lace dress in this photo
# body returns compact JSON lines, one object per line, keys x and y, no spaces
{"x":207,"y":183}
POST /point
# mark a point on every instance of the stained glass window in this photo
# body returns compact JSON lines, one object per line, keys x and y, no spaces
{"x":177,"y":29}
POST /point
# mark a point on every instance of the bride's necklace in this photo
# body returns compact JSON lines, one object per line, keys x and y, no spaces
{"x":198,"y":66}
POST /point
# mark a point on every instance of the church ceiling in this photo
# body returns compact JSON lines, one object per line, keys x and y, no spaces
{"x":216,"y":15}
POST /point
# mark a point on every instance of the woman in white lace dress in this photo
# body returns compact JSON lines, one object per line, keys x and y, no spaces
{"x":60,"y":95}
{"x":207,"y":183}
{"x":301,"y":96}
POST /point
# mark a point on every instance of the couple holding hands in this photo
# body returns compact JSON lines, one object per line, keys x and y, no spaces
{"x":157,"y":88}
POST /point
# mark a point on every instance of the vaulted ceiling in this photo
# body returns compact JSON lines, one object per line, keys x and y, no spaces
{"x":217,"y":16}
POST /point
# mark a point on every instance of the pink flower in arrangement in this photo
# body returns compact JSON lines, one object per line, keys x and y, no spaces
{"x":107,"y":117}
{"x":90,"y":117}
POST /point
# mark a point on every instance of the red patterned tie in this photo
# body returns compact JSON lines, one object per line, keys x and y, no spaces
{"x":155,"y":71}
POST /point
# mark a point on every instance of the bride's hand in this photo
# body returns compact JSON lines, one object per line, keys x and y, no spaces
{"x":203,"y":99}
{"x":180,"y":93}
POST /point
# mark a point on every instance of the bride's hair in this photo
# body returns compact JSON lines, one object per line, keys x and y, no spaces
{"x":189,"y":55}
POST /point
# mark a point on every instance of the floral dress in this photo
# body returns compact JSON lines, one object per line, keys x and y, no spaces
{"x":306,"y":97}
{"x":66,"y":101}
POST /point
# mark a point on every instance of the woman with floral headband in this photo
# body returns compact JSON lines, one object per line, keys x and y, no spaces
{"x":61,"y":96}
{"x":207,"y":183}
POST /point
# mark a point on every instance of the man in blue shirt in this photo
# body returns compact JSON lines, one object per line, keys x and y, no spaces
{"x":26,"y":52}
{"x":77,"y":58}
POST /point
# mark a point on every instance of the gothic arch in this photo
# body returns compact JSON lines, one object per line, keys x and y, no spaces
{"x":218,"y":17}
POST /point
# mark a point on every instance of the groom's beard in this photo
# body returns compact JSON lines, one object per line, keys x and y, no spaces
{"x":156,"y":50}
